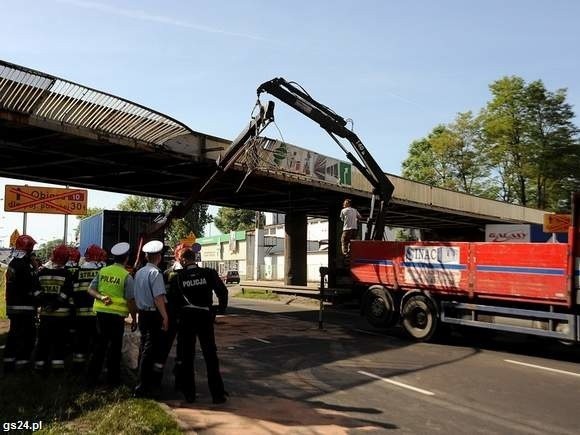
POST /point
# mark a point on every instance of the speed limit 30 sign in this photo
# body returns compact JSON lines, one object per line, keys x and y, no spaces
{"x":30,"y":199}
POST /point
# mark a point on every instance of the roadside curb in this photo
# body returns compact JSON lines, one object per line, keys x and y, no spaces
{"x":183,"y":426}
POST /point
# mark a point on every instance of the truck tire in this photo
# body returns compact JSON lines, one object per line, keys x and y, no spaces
{"x":420,"y":317}
{"x":379,"y":307}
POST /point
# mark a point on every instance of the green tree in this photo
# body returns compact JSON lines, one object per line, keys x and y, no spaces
{"x":555,"y":162}
{"x":522,"y":148}
{"x":419,"y":165}
{"x":234,"y":219}
{"x":532,"y":142}
{"x":505,"y":127}
{"x":451,"y":156}
{"x":194,"y":221}
{"x":44,"y":250}
{"x":144,"y":204}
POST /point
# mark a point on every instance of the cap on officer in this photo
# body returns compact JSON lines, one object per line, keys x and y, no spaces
{"x":153,"y":247}
{"x":120,"y":249}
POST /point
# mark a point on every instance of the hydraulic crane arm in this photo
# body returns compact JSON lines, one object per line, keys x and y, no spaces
{"x":262,"y":119}
{"x":335,"y":125}
{"x":332,"y":123}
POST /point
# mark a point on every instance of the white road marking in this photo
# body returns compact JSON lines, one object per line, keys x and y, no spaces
{"x":549,"y":369}
{"x":262,"y":340}
{"x":398,"y":384}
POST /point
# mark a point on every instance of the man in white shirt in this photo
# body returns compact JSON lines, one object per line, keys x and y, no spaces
{"x":349,"y":217}
{"x":153,"y":319}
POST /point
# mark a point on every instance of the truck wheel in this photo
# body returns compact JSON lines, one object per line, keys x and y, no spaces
{"x":420,"y":318}
{"x":379,"y":307}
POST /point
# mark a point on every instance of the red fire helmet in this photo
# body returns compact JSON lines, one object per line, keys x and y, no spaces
{"x":74,"y":254}
{"x":93,"y":253}
{"x":60,"y":255}
{"x":25,"y":243}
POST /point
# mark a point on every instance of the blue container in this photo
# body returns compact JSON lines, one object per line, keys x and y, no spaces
{"x":109,"y":227}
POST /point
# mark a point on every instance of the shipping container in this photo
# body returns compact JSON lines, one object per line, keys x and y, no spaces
{"x":109,"y":227}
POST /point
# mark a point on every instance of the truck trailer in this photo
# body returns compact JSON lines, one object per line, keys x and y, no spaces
{"x":530,"y":288}
{"x":112,"y":226}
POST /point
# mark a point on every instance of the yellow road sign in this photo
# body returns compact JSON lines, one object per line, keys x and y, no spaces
{"x":31,"y":199}
{"x":15,"y":234}
{"x":557,"y":223}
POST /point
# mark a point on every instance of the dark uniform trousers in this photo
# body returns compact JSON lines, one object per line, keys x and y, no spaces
{"x":166,"y":340}
{"x":194,"y":323}
{"x":52,"y":341}
{"x":150,"y":349}
{"x":21,"y":338}
{"x":85,"y":327}
{"x":110,"y":330}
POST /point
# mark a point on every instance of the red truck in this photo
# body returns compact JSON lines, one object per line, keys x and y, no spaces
{"x":530,"y":288}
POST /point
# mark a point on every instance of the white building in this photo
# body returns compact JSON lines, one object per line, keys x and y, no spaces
{"x":238,"y":250}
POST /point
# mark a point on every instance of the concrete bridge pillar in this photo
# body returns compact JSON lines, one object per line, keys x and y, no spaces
{"x":295,"y":249}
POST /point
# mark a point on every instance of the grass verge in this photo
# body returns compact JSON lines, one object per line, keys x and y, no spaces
{"x":254,"y":293}
{"x":64,"y":407}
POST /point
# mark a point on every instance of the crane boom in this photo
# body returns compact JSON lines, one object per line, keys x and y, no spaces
{"x":335,"y":125}
{"x":332,"y":123}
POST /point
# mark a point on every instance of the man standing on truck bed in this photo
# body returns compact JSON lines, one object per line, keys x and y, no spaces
{"x":349,"y":217}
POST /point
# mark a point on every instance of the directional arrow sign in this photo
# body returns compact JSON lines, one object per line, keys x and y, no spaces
{"x":30,"y":199}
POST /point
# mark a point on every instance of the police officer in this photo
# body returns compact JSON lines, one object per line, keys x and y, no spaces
{"x":55,"y":300}
{"x":153,"y":320}
{"x":173,"y":308}
{"x":113,"y":290}
{"x":21,"y":284}
{"x":196,"y":284}
{"x":84,"y":320}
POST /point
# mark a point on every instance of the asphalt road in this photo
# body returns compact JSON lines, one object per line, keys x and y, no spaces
{"x":287,"y":376}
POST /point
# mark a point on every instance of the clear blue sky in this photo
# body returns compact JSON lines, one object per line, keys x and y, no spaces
{"x":396,"y":68}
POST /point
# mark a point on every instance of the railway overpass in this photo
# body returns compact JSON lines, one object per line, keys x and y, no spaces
{"x":53,"y":130}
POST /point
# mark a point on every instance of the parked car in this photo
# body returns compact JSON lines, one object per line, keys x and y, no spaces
{"x":231,"y":276}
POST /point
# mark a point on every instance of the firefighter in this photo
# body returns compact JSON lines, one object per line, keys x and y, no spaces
{"x":153,"y":320}
{"x":196,"y":286}
{"x":113,"y":291}
{"x":85,"y":318}
{"x":72,"y":265}
{"x":55,"y":300}
{"x":74,"y":256}
{"x":21,"y":284}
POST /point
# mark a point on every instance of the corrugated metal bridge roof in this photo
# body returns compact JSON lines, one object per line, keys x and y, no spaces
{"x":37,"y":94}
{"x":54,"y":130}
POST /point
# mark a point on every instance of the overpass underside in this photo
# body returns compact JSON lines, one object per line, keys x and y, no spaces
{"x":37,"y":150}
{"x":56,"y":131}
